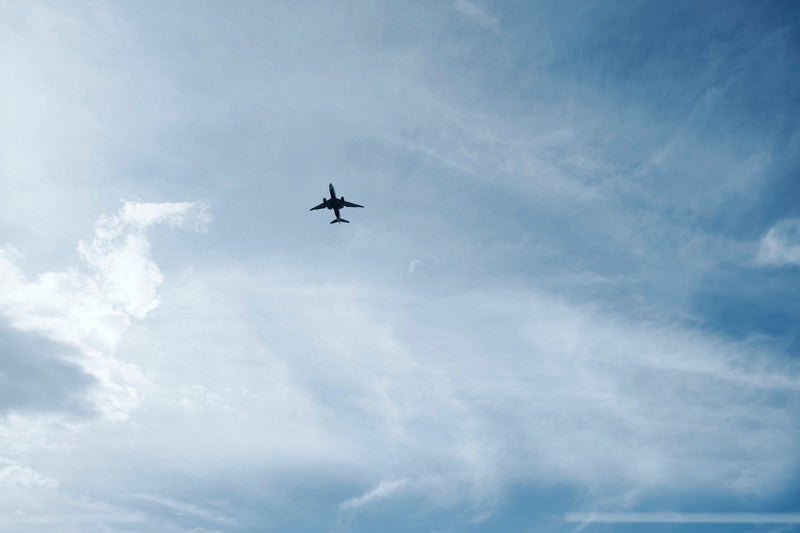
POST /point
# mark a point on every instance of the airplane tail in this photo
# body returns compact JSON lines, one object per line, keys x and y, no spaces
{"x":339,"y":220}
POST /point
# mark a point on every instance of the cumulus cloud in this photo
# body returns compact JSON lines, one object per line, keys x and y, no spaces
{"x":781,"y":245}
{"x":119,"y":253}
{"x":37,"y":376}
{"x":91,"y":308}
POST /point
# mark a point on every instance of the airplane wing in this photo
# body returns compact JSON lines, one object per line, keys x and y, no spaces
{"x":320,"y":206}
{"x":350,"y":204}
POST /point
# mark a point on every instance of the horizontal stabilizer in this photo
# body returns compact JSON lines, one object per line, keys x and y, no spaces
{"x":339,"y":220}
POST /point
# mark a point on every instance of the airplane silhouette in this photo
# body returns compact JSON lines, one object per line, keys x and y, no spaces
{"x":335,"y":204}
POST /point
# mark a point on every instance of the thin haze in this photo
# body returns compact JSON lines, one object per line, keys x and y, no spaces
{"x":573,"y":291}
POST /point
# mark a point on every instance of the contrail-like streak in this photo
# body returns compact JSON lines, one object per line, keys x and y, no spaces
{"x":684,"y":518}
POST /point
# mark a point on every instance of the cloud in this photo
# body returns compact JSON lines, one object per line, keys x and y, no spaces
{"x":462,"y":396}
{"x":119,"y":252}
{"x":597,"y":162}
{"x":36,"y":375}
{"x":385,"y":489}
{"x":781,"y":245}
{"x":70,"y":117}
{"x":478,"y":14}
{"x":201,"y":513}
{"x":15,"y":475}
{"x":90,"y":309}
{"x":683,"y":518}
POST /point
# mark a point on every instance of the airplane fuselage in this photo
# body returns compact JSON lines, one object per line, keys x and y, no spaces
{"x":334,"y":200}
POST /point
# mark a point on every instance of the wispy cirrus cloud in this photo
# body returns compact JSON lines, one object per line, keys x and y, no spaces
{"x":463,"y":396}
{"x":566,"y":165}
{"x":478,"y":14}
{"x":781,"y":245}
{"x":683,"y":518}
{"x":385,"y":489}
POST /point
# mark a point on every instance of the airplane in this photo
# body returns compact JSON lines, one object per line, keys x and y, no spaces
{"x":335,"y":204}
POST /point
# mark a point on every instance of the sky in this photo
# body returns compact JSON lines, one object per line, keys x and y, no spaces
{"x":571,"y":303}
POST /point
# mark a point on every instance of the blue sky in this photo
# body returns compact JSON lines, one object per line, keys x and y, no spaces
{"x":574,"y":287}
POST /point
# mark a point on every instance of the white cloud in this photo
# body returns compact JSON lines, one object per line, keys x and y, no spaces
{"x":71,"y":119}
{"x":203,"y":513}
{"x":385,"y":489}
{"x":252,"y":369}
{"x":460,"y":396}
{"x":683,"y":518}
{"x":14,"y":475}
{"x":92,"y":308}
{"x":478,"y":14}
{"x":119,"y":253}
{"x":781,"y":245}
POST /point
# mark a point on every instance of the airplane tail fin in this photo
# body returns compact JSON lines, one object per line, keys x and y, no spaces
{"x":339,"y":220}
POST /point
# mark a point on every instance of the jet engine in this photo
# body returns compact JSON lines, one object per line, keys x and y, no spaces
{"x":325,"y":202}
